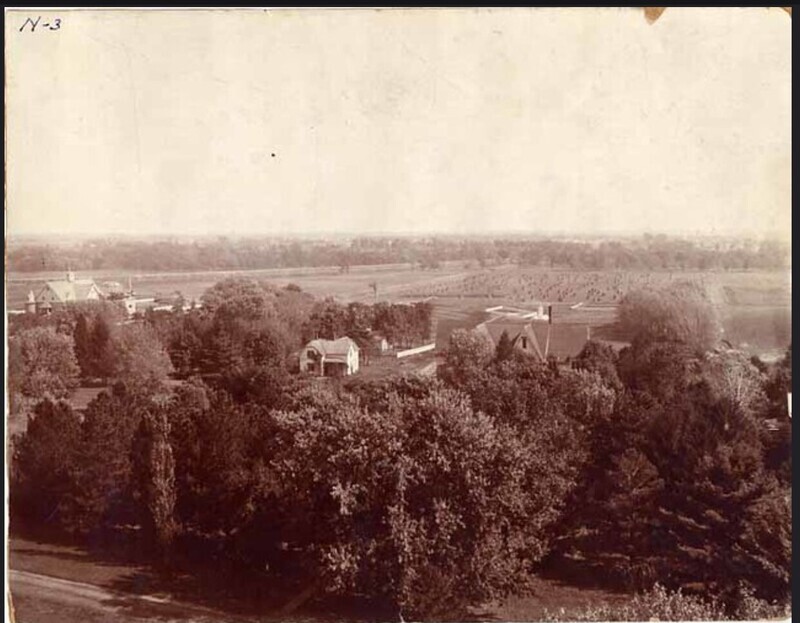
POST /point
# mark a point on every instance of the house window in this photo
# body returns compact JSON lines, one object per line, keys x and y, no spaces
{"x":524,"y":343}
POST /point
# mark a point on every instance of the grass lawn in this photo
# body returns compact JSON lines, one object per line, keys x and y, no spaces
{"x":550,"y":596}
{"x":66,"y":561}
{"x":121,"y":572}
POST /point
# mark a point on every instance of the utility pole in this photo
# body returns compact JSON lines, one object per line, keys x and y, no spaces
{"x":549,"y":323}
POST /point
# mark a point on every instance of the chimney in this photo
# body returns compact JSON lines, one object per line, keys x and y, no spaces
{"x":550,"y":314}
{"x":70,"y":276}
{"x":30,"y":305}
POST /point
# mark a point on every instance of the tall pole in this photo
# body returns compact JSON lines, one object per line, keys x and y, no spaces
{"x":549,"y":323}
{"x":547,"y":343}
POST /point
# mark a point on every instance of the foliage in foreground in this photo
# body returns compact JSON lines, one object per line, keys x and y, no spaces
{"x":660,"y":604}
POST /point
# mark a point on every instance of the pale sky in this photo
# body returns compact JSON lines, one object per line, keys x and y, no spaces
{"x":457,"y":121}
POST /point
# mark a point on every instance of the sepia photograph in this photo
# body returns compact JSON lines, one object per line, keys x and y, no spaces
{"x":361,"y":315}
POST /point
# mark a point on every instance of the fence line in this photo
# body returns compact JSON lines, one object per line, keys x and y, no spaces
{"x":415,"y":351}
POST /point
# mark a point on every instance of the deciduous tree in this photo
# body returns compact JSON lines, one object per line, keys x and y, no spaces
{"x":141,"y":359}
{"x":41,"y":364}
{"x":681,"y":313}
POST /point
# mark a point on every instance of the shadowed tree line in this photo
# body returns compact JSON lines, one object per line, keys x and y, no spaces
{"x":645,"y":253}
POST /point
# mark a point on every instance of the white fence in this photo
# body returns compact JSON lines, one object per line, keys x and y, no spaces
{"x":415,"y":351}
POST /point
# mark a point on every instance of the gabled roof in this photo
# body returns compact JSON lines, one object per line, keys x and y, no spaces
{"x":341,"y":346}
{"x":566,"y":340}
{"x":82,"y":289}
{"x":516,"y":328}
{"x":494,"y":327}
{"x":65,"y":290}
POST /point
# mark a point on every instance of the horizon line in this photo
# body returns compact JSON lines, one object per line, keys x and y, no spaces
{"x":773,"y":235}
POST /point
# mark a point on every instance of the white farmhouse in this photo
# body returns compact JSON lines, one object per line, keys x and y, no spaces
{"x":330,"y":357}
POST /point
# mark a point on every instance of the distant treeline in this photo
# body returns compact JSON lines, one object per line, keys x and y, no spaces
{"x":647,"y":252}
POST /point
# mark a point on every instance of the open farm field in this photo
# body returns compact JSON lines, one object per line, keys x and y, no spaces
{"x":533,"y":285}
{"x":391,"y":279}
{"x":762,"y":330}
{"x":754,"y":306}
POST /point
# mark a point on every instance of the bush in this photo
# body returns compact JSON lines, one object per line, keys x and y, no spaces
{"x":660,"y":604}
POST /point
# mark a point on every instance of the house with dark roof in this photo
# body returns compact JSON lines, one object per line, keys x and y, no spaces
{"x":330,"y":357}
{"x":520,"y":332}
{"x":65,"y":291}
{"x":542,"y":340}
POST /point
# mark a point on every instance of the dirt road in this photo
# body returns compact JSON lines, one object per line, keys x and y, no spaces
{"x":45,"y":599}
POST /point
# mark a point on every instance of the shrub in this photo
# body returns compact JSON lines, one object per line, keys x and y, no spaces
{"x":660,"y":604}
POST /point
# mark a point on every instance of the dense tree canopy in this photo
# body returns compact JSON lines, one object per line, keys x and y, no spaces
{"x":139,"y":357}
{"x":44,"y":461}
{"x":41,"y":364}
{"x":680,"y":313}
{"x":668,"y":461}
{"x":429,"y":504}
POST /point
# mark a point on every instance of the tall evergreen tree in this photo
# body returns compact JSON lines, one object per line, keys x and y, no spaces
{"x":41,"y":472}
{"x":83,"y":346}
{"x":103,"y":467}
{"x":102,"y":351}
{"x":504,"y":349}
{"x":154,"y":475}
